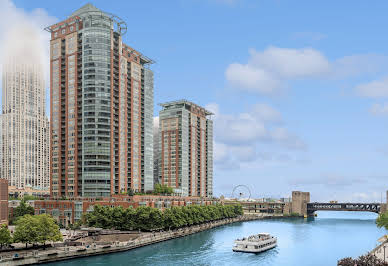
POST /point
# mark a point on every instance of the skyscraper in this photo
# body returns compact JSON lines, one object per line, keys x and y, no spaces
{"x":101,"y":108}
{"x":24,"y":138}
{"x":156,"y":150}
{"x":186,"y":148}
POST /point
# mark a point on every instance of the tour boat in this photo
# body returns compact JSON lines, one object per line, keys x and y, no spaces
{"x":255,"y":243}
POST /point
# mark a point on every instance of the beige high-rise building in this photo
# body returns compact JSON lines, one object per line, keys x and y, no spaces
{"x":24,"y":133}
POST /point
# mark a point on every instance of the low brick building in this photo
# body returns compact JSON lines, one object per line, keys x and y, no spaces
{"x":70,"y":210}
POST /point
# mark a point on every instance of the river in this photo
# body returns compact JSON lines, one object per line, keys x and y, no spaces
{"x":318,"y":241}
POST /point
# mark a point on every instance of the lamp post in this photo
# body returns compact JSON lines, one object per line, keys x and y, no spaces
{"x":384,"y":252}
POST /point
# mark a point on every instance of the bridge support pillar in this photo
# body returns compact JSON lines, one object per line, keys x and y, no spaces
{"x":299,"y":202}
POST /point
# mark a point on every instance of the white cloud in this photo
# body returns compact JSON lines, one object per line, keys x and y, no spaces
{"x":379,"y":109}
{"x":244,"y":153}
{"x":268,"y":71}
{"x":289,"y":140}
{"x":266,"y":113}
{"x":355,"y":65}
{"x":290,"y":63}
{"x":252,"y":79}
{"x":241,"y":128}
{"x":22,"y":35}
{"x":237,"y":136}
{"x":374,"y":89}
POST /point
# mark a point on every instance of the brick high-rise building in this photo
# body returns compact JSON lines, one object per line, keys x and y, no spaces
{"x":24,"y":127}
{"x":3,"y":201}
{"x":186,"y":148}
{"x":101,"y":108}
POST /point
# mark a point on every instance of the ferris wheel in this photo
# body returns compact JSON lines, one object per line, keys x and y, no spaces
{"x":241,"y":192}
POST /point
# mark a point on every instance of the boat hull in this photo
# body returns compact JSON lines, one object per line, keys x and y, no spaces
{"x":252,"y":250}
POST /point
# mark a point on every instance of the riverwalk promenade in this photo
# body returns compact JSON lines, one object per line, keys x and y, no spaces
{"x":92,"y":249}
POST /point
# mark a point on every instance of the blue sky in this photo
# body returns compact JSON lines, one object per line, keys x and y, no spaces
{"x":299,"y":88}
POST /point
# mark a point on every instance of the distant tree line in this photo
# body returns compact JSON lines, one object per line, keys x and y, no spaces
{"x":148,"y":219}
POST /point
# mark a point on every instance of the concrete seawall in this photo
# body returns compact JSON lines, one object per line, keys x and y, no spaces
{"x":65,"y":253}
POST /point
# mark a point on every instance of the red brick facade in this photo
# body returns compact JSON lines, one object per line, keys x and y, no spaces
{"x":3,"y":201}
{"x":69,"y":211}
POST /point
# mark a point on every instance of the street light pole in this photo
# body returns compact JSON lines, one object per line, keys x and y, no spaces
{"x":384,"y":252}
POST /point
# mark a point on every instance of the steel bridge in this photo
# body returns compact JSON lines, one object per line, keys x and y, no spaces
{"x":364,"y":207}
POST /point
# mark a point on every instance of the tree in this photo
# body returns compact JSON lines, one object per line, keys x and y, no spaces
{"x":118,"y":217}
{"x":5,"y":236}
{"x":130,"y":192}
{"x":27,"y":230}
{"x":382,"y":220}
{"x":29,"y":197}
{"x":48,"y":229}
{"x":170,"y":220}
{"x":22,"y":210}
{"x":100,"y":217}
{"x":147,"y":218}
{"x":366,"y":260}
{"x":36,"y":229}
{"x":163,"y":189}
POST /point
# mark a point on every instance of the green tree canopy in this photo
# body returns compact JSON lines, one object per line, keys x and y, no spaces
{"x":163,"y":189}
{"x":36,"y":229}
{"x":5,"y":236}
{"x":382,"y":220}
{"x":27,"y":230}
{"x":148,"y":219}
{"x":22,"y":210}
{"x":48,"y":229}
{"x":130,"y":192}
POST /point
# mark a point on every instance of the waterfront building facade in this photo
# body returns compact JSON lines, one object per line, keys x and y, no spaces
{"x":101,"y":108}
{"x":69,"y":211}
{"x":186,"y":148}
{"x":24,"y":135}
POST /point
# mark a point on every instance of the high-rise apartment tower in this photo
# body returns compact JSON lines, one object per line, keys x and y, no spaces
{"x":101,"y":108}
{"x":24,"y":127}
{"x":186,"y":148}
